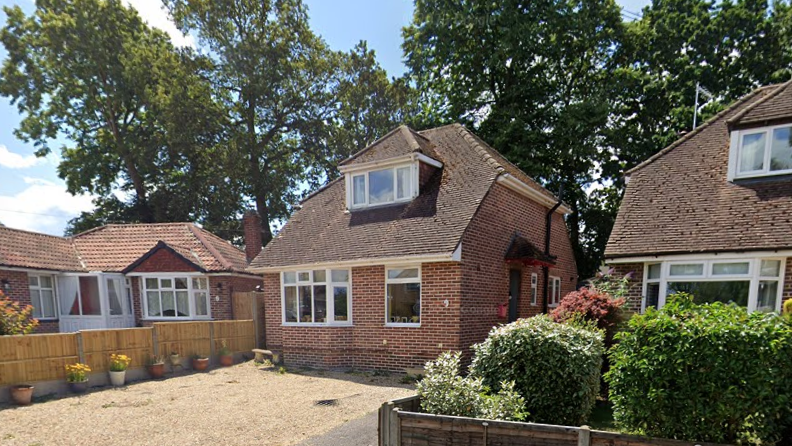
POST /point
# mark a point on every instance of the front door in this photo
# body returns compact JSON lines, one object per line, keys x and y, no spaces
{"x":515,"y":281}
{"x":119,"y":303}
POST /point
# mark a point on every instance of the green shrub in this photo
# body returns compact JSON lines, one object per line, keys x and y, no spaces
{"x":555,"y":367}
{"x":594,"y":305}
{"x":15,"y":319}
{"x":703,"y":373}
{"x":443,"y":391}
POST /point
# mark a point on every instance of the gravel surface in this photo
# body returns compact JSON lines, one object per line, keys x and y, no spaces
{"x":240,"y":405}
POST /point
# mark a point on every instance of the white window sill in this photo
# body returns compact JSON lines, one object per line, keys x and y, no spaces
{"x":46,"y":319}
{"x":176,"y":319}
{"x":316,"y":324}
{"x":403,"y":325}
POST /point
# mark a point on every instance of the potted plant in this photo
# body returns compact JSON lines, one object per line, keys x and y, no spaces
{"x":156,"y":367}
{"x":77,"y":377}
{"x":175,"y":359}
{"x":118,"y":366}
{"x":199,"y":362}
{"x":226,"y":355}
{"x":22,"y":394}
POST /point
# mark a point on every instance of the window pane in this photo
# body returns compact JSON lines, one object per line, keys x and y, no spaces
{"x":89,"y":290}
{"x":168,"y":304}
{"x":33,"y":280}
{"x":781,"y":149}
{"x":402,"y":182}
{"x":305,"y":304}
{"x":200,"y":302}
{"x":291,"y":304}
{"x":304,"y":277}
{"x":752,"y":152}
{"x":652,"y":295}
{"x":47,"y":303}
{"x":654,"y":271}
{"x":720,"y":269}
{"x":181,"y":283}
{"x":404,"y":303}
{"x":708,"y":292}
{"x":339,"y":275}
{"x":381,"y":186}
{"x":199,"y":283}
{"x":35,"y":301}
{"x":403,"y":273}
{"x":152,"y":299}
{"x":290,"y":277}
{"x":770,"y":268}
{"x":768,"y":292}
{"x":340,"y":300}
{"x":359,"y":189}
{"x":45,"y":282}
{"x":166,"y":283}
{"x":182,"y":304}
{"x":693,"y":269}
{"x":320,"y":275}
{"x":114,"y":298}
{"x":152,"y":284}
{"x":320,"y":303}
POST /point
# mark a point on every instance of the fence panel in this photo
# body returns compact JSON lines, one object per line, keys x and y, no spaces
{"x":36,"y":357}
{"x":184,"y":338}
{"x":136,"y":343}
{"x":239,"y":336}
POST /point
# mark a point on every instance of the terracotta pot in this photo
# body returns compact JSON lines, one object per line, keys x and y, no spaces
{"x":157,"y":370}
{"x":22,"y":394}
{"x":226,"y":360}
{"x":78,"y":387}
{"x":117,"y":378}
{"x":200,"y":364}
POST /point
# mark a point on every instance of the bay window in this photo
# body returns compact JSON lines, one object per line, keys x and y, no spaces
{"x":42,"y":296}
{"x":176,"y":297}
{"x":316,"y":297}
{"x":762,"y":152}
{"x":403,"y":296}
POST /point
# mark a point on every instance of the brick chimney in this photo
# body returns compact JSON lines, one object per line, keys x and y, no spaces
{"x":251,"y":222}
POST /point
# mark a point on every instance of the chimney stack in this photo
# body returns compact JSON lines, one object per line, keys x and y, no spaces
{"x":251,"y":222}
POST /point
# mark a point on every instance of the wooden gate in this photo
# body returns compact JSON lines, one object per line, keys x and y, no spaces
{"x":250,"y":305}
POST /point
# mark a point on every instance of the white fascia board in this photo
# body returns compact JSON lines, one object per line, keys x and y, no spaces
{"x":529,"y":192}
{"x":411,"y":157}
{"x":701,"y":256}
{"x":401,"y":260}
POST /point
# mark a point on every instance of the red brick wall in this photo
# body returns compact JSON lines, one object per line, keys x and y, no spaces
{"x":369,"y":344}
{"x":635,"y":290}
{"x":20,"y":292}
{"x":164,"y":260}
{"x":485,"y":282}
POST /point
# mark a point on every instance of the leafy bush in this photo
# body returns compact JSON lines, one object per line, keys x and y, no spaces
{"x":593,"y":305}
{"x":703,"y":373}
{"x":443,"y":391}
{"x":14,"y":318}
{"x":555,"y":367}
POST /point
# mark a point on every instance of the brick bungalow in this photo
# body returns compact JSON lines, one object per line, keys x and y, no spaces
{"x":427,"y":241}
{"x":710,"y":214}
{"x":97,"y":279}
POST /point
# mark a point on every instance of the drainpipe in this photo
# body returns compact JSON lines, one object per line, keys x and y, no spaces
{"x":548,"y":227}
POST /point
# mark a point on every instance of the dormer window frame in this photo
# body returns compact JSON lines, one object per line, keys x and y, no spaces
{"x":736,"y":147}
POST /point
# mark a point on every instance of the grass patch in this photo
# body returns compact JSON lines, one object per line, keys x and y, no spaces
{"x":602,"y":417}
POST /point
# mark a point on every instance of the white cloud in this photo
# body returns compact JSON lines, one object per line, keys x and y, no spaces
{"x":13,"y":160}
{"x":44,"y":206}
{"x":153,"y":12}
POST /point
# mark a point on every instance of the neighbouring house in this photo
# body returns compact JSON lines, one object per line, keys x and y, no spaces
{"x":426,"y":241}
{"x":119,"y":276}
{"x":710,"y":214}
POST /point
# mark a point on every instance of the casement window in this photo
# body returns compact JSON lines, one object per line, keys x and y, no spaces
{"x":555,"y":291}
{"x":534,"y":287}
{"x":42,"y":296}
{"x":754,"y":283}
{"x":403,"y":296}
{"x":173,"y":297}
{"x":383,"y":186}
{"x":316,"y":297}
{"x":761,"y":152}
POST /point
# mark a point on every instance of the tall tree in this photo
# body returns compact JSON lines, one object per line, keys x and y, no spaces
{"x":137,"y":116}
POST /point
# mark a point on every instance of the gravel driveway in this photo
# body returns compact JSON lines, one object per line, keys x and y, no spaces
{"x":239,"y":405}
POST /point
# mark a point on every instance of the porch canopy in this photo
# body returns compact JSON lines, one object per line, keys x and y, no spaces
{"x":524,"y":252}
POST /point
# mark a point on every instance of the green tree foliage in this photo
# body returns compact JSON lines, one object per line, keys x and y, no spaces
{"x":137,"y":114}
{"x":703,"y":373}
{"x":555,"y":367}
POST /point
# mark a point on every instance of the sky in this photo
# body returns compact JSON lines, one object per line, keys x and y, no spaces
{"x":32,"y":197}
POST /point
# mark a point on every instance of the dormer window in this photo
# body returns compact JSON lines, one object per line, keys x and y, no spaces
{"x":761,"y":152}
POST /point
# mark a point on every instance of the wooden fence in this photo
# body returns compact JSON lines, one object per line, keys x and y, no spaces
{"x":42,"y":357}
{"x":401,"y":424}
{"x":250,"y":305}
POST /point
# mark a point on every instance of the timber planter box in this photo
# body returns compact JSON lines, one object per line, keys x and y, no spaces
{"x":402,"y":424}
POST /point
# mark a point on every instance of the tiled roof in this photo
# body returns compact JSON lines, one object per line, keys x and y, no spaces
{"x":433,"y":223}
{"x":522,"y":250}
{"x":774,"y":107}
{"x":400,"y":141}
{"x":112,"y":248}
{"x":680,"y":201}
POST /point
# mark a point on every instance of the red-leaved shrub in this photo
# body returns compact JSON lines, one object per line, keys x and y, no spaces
{"x":591,"y":305}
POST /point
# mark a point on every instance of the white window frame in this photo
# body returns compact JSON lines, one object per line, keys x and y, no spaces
{"x":412,"y":185}
{"x":534,"y":288}
{"x":330,"y":303}
{"x":555,"y":291}
{"x":190,"y":296}
{"x":735,"y":151}
{"x":39,"y":288}
{"x":418,"y":280}
{"x":753,"y":276}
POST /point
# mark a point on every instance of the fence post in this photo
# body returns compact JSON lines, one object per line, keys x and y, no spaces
{"x":80,"y":349}
{"x":486,"y":425}
{"x":384,"y":424}
{"x":395,"y":427}
{"x":211,"y":340}
{"x":584,"y":436}
{"x":155,"y":342}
